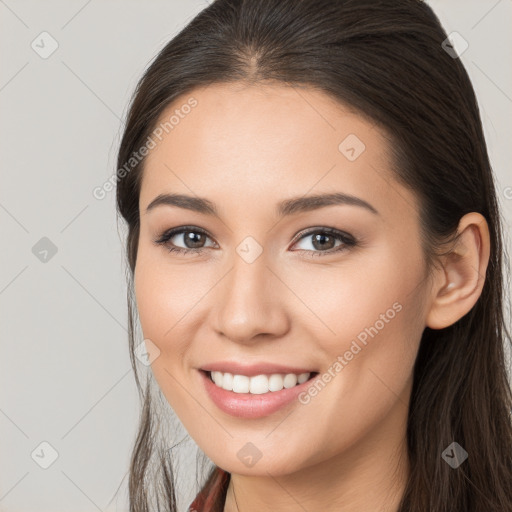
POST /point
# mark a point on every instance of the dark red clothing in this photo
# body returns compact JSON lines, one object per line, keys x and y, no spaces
{"x":211,"y":492}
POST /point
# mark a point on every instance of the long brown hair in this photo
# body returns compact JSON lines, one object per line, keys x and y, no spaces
{"x":386,"y":60}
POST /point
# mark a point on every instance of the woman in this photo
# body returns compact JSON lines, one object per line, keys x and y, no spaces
{"x":315,"y":257}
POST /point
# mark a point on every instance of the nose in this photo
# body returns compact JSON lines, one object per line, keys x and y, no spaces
{"x":251,"y":302}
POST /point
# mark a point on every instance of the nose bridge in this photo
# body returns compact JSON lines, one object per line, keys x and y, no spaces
{"x":250,"y":303}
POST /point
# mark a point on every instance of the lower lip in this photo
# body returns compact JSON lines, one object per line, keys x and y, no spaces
{"x":247,"y":405}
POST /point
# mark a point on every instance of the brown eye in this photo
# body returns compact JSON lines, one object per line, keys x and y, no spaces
{"x":184,"y":239}
{"x":193,"y":239}
{"x":325,"y":241}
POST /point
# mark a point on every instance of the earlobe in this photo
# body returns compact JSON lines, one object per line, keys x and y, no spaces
{"x":462,"y":275}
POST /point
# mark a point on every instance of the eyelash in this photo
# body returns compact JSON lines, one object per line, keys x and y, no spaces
{"x":348,"y":240}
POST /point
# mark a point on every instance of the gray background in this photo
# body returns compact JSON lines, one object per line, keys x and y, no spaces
{"x":65,"y":371}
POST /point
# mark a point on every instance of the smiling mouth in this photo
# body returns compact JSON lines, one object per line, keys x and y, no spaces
{"x":258,"y":384}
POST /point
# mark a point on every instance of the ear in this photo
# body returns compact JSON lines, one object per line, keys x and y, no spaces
{"x":462,"y":276}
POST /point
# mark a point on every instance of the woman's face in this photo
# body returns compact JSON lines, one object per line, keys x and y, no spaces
{"x":336,"y":287}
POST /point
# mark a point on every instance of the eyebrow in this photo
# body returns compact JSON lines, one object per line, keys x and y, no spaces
{"x":287,"y":207}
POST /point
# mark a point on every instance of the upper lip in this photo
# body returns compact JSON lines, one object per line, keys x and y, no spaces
{"x":250,"y":370}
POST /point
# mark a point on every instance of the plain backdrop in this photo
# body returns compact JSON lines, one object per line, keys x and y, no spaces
{"x":68,"y":398}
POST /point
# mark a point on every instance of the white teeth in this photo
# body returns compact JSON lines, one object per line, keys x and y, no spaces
{"x":217,"y":378}
{"x":227,"y":381}
{"x":275,"y":382}
{"x":241,"y":384}
{"x":303,"y":377}
{"x":259,"y":384}
{"x":290,"y":380}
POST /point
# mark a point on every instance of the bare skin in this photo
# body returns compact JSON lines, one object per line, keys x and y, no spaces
{"x":247,"y":148}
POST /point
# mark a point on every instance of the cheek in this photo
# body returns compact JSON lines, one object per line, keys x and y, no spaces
{"x":153,"y":300}
{"x":367,"y":292}
{"x":169,"y":303}
{"x":369,"y":359}
{"x":162,"y":305}
{"x":371,"y":323}
{"x":159,"y":310}
{"x":165,"y":294}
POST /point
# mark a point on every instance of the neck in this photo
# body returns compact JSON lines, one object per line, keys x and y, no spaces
{"x":370,"y":475}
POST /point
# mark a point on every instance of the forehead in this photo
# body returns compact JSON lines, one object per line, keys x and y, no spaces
{"x":271,"y":140}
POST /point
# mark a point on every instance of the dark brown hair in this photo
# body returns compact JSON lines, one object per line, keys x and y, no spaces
{"x":385,"y":59}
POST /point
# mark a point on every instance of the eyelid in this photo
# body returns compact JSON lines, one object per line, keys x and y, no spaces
{"x":169,"y":233}
{"x":323,"y":229}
